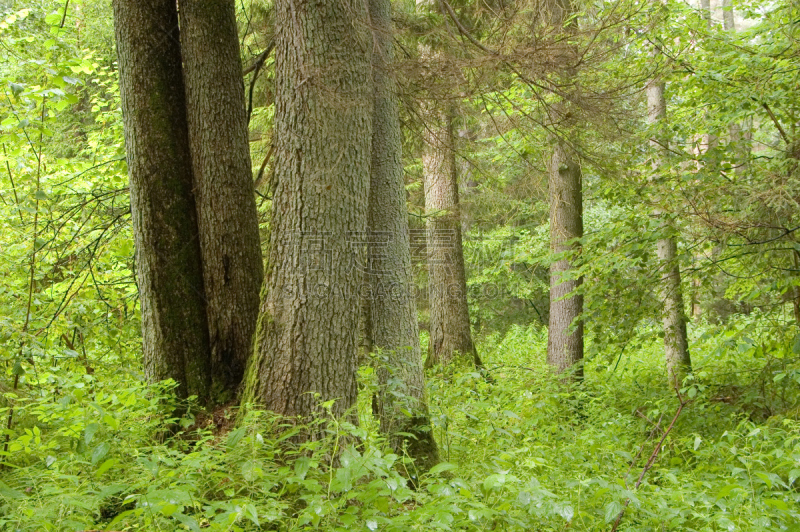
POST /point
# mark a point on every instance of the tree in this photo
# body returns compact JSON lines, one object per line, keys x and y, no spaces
{"x":565,"y":330}
{"x":393,"y":314}
{"x":226,"y":208}
{"x":306,"y":337}
{"x":676,"y":344}
{"x":168,"y":264}
{"x":447,"y":281}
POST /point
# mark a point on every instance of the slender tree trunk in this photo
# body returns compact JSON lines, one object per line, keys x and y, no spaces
{"x":226,"y":206}
{"x":728,"y":23}
{"x":447,"y":281}
{"x":565,"y":331}
{"x":705,"y":10}
{"x":739,"y":136}
{"x":565,"y":190}
{"x":676,"y":345}
{"x":168,"y":262}
{"x":306,"y":337}
{"x":450,"y":333}
{"x":393,"y":312}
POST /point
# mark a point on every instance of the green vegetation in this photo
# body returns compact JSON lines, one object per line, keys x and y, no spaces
{"x":520,"y":454}
{"x":88,"y":445}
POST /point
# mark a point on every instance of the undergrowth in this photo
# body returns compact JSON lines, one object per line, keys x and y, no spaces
{"x":524,"y":452}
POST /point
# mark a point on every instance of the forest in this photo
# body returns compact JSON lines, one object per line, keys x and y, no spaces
{"x":393,"y":265}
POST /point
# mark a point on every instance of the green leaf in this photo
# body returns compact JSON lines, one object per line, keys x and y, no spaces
{"x":493,"y":481}
{"x":612,"y":510}
{"x":10,"y":493}
{"x":251,"y":513}
{"x":439,"y":468}
{"x":105,"y":466}
{"x":89,"y":432}
{"x":100,"y":452}
{"x":53,"y":18}
{"x":727,"y":489}
{"x":169,"y":509}
{"x":235,"y":437}
{"x":777,"y":503}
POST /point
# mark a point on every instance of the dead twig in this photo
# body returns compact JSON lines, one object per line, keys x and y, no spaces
{"x":681,"y":404}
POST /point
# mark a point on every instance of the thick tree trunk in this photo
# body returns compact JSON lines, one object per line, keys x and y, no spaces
{"x":306,"y":338}
{"x":676,"y":345}
{"x":447,"y":281}
{"x":565,"y":330}
{"x":393,"y":312}
{"x":226,"y":207}
{"x":168,"y":263}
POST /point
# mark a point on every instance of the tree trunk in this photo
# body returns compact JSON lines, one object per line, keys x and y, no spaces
{"x":306,"y":337}
{"x":393,"y":312}
{"x":565,"y":330}
{"x":565,"y":190}
{"x":447,"y":281}
{"x":168,"y":264}
{"x":676,"y":345}
{"x":226,"y":206}
{"x":728,"y":23}
{"x":705,"y":10}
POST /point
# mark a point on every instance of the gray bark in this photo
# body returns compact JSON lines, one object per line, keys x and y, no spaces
{"x":226,"y":207}
{"x":565,"y":191}
{"x":705,"y":10}
{"x":393,"y":312}
{"x":676,"y":345}
{"x":306,"y":337}
{"x":168,"y":263}
{"x":565,"y":330}
{"x":447,"y":282}
{"x":728,"y":23}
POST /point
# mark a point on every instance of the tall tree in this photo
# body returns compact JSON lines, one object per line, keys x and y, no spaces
{"x":168,"y":264}
{"x":226,"y":207}
{"x":565,"y":192}
{"x":306,"y":338}
{"x":450,"y":331}
{"x":676,"y":345}
{"x":447,"y":281}
{"x":393,"y":312}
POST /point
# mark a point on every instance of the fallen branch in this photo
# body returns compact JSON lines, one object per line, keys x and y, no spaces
{"x":653,"y":457}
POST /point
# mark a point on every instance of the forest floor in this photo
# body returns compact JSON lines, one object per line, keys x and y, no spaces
{"x":89,"y":452}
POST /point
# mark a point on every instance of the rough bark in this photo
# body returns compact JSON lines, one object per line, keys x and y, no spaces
{"x":565,"y":192}
{"x":565,"y":330}
{"x":676,"y":345}
{"x":393,"y":312}
{"x":226,"y":207}
{"x":168,"y":263}
{"x":447,"y":282}
{"x":306,"y":337}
